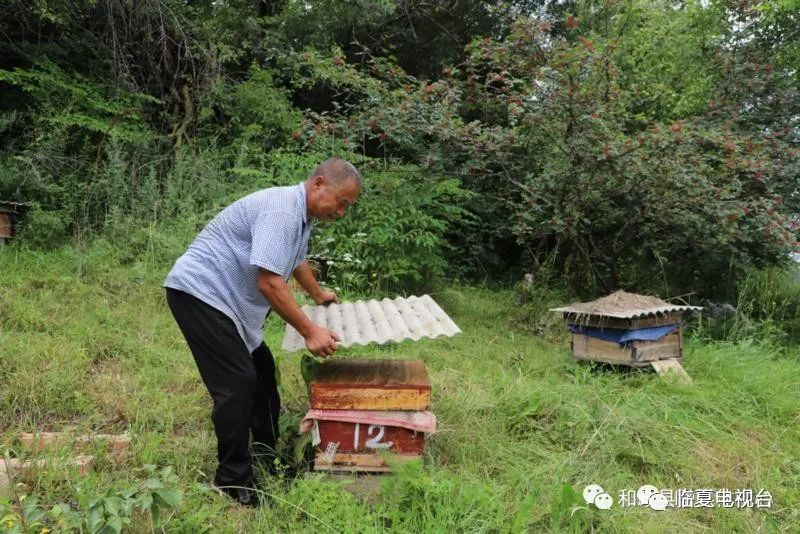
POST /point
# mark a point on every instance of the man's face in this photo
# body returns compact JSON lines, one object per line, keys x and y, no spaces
{"x":332,"y":201}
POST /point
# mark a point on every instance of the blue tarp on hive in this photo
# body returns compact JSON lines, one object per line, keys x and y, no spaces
{"x":653,"y":333}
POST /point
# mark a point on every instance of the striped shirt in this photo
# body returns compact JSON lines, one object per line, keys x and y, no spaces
{"x":268,"y":230}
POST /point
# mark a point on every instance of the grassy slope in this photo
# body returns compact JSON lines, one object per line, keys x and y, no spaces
{"x":89,"y":345}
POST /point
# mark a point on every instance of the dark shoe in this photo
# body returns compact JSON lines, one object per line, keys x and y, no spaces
{"x":244,"y":494}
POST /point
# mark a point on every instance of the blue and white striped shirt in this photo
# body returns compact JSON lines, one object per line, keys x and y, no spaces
{"x":267,"y":229}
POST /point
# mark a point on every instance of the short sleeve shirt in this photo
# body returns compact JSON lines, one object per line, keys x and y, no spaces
{"x":268,"y":230}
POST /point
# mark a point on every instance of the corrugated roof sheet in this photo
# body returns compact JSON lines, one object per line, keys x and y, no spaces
{"x":5,"y":204}
{"x":373,"y":321}
{"x":623,"y":305}
{"x":632,"y":314}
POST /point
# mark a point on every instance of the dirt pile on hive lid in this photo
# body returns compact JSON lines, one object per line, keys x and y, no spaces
{"x":623,"y":304}
{"x":620,"y":302}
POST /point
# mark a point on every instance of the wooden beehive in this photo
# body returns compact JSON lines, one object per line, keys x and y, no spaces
{"x":638,"y":353}
{"x":371,"y":385}
{"x":5,"y":226}
{"x":10,"y":212}
{"x":7,"y":215}
{"x":625,"y":314}
{"x":375,"y":386}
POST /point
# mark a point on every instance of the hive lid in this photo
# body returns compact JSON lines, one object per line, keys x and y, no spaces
{"x":372,"y":373}
{"x":623,"y":305}
{"x":377,"y":321}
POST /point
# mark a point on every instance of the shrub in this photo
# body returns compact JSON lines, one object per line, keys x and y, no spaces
{"x":771,"y":297}
{"x":114,"y":510}
{"x":564,"y":163}
{"x":394,"y":237}
{"x":44,"y":229}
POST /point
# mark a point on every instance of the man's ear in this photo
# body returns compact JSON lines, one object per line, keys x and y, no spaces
{"x":318,"y":181}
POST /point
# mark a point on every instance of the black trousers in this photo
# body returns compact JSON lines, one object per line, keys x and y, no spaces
{"x":242,"y":385}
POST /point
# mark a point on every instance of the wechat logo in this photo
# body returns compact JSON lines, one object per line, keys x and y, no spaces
{"x":649,"y":495}
{"x":596,"y":495}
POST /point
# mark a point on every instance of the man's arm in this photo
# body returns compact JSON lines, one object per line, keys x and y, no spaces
{"x":320,"y":341}
{"x":305,"y":277}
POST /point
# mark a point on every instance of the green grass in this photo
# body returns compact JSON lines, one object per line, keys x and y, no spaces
{"x":89,"y":345}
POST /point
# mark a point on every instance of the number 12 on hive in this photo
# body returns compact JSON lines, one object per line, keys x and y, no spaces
{"x":373,"y":438}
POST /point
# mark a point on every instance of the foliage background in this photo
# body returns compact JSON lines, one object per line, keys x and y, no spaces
{"x":591,"y":144}
{"x":622,"y":144}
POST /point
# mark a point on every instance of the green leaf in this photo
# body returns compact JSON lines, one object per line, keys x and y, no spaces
{"x":170,"y":497}
{"x":94,"y":520}
{"x":145,"y":501}
{"x":30,"y":510}
{"x":112,"y":505}
{"x":300,"y":447}
{"x":523,"y":515}
{"x":115,"y":523}
{"x":156,"y":514}
{"x":153,"y":483}
{"x":32,"y":514}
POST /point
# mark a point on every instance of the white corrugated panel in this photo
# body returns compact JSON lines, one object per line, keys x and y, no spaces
{"x":374,"y":321}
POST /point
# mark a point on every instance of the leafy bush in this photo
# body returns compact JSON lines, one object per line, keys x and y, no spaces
{"x":78,"y":148}
{"x":394,"y":237}
{"x":567,"y":159}
{"x":249,"y":119}
{"x":638,"y":145}
{"x":44,"y":229}
{"x":111,"y":511}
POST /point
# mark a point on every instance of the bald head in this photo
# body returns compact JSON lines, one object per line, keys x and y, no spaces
{"x":337,"y":172}
{"x":331,"y":188}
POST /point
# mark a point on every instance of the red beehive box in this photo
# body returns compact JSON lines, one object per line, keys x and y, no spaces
{"x":365,"y":438}
{"x":347,"y":446}
{"x":362,"y":407}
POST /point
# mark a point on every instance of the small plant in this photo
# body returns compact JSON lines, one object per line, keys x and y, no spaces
{"x":105,"y":513}
{"x":569,"y":512}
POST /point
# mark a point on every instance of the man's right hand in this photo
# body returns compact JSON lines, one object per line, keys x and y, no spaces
{"x":321,"y":341}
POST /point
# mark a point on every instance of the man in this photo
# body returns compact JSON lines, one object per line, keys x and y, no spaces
{"x":221,"y":291}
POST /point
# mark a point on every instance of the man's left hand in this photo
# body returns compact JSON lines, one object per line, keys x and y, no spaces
{"x":327,"y":297}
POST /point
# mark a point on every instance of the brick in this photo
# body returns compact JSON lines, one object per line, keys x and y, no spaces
{"x":14,"y":467}
{"x":40,"y":441}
